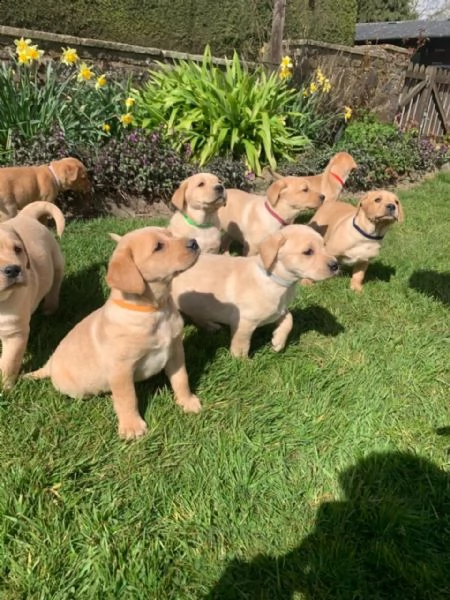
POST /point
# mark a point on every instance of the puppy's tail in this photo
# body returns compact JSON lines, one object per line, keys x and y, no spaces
{"x":37,"y":210}
{"x":41,"y":373}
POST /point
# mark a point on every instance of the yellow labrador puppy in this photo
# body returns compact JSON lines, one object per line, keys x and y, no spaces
{"x":21,"y":185}
{"x":249,"y":218}
{"x":354,"y":234}
{"x":198,"y":199}
{"x":247,"y":292}
{"x":31,"y":270}
{"x":135,"y":334}
{"x":331,"y":182}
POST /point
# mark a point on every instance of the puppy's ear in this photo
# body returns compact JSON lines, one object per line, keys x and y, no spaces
{"x":269,"y":247}
{"x":274,"y":191}
{"x":178,"y":199}
{"x":115,"y":236}
{"x":123,"y":274}
{"x":401,"y":212}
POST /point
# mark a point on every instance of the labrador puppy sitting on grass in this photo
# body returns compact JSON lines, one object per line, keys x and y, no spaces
{"x":31,"y":270}
{"x":247,"y":292}
{"x":354,"y":234}
{"x":198,"y":199}
{"x":21,"y":185}
{"x":135,"y":334}
{"x":249,"y":218}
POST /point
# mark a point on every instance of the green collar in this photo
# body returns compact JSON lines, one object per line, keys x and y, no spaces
{"x":194,"y":224}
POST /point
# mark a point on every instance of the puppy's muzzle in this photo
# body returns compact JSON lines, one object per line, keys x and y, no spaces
{"x":221,"y":195}
{"x":192,"y":245}
{"x":390,"y":209}
{"x":333,"y":265}
{"x":12,"y":271}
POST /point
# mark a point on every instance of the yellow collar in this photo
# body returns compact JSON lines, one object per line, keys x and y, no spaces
{"x":148,"y":308}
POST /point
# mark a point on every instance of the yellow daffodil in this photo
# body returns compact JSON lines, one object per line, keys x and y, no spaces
{"x":326,"y":86}
{"x":286,"y":62}
{"x":347,"y":113}
{"x":106,"y":127}
{"x":101,"y":82}
{"x":285,"y":73}
{"x":85,"y":73}
{"x":312,"y":87}
{"x":127,"y":119}
{"x":69,"y":56}
{"x":305,"y":93}
{"x":34,"y":53}
{"x":129,"y":102}
{"x":22,"y":44}
{"x":23,"y":57}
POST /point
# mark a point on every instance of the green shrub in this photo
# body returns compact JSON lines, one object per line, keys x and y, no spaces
{"x":384,"y":155}
{"x":219,"y":112}
{"x":138,"y":163}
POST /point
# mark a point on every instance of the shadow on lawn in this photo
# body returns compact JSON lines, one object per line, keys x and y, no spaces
{"x":432,"y":283}
{"x":388,"y":538}
{"x":81,"y":293}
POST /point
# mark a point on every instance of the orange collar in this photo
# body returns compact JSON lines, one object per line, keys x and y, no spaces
{"x":148,"y":308}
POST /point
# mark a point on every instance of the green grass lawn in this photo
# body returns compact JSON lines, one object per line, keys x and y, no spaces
{"x":319,"y":473}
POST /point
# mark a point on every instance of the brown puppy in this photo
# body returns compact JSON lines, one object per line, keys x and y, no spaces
{"x":249,"y":218}
{"x":198,"y":199}
{"x":354,"y":234}
{"x":21,"y":185}
{"x":247,"y":292}
{"x":331,"y":182}
{"x":135,"y":334}
{"x":31,"y":269}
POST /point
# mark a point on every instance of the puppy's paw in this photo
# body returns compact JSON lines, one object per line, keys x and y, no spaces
{"x":356,"y":287}
{"x":278,"y":343}
{"x":306,"y":282}
{"x":132,"y":428}
{"x":191,"y":404}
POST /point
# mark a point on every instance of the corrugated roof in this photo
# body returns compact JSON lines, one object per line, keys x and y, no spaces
{"x":394,"y":30}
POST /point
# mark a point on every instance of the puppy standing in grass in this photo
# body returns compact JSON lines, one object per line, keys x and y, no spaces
{"x":247,"y":292}
{"x":249,"y":218}
{"x":31,"y":269}
{"x":198,"y":199}
{"x":354,"y":234}
{"x":21,"y":185}
{"x":135,"y":334}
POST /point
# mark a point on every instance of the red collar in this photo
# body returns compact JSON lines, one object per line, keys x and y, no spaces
{"x":275,"y":215}
{"x":341,"y":181}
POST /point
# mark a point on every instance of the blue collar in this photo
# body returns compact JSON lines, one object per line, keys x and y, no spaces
{"x":365,"y":234}
{"x":283,"y":282}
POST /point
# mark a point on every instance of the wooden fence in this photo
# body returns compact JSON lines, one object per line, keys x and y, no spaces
{"x":425,"y":100}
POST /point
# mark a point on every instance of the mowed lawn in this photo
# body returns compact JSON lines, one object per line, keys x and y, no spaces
{"x":318,"y":473}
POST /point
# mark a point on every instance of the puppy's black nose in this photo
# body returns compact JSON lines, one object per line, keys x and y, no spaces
{"x":219,"y":188}
{"x":11,"y":271}
{"x":321,"y":197}
{"x":192,"y":245}
{"x":391,"y":207}
{"x":334,"y":265}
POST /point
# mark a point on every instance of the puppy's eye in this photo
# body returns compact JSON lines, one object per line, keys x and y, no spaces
{"x":308,"y":252}
{"x":396,"y":202}
{"x":201,"y":184}
{"x":159,"y":246}
{"x":18,"y":249}
{"x":377,"y":199}
{"x":305,"y":189}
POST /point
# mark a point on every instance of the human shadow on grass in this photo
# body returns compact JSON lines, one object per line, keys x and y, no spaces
{"x":81,"y":293}
{"x":389,"y":538}
{"x":432,"y":283}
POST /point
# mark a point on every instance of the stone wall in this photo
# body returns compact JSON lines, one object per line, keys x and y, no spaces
{"x":123,"y":60}
{"x":371,"y":77}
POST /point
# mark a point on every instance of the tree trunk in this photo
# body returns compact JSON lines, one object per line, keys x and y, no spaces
{"x":276,"y":36}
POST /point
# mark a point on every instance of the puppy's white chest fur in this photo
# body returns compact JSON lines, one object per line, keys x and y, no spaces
{"x":155,"y":359}
{"x":362,"y":251}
